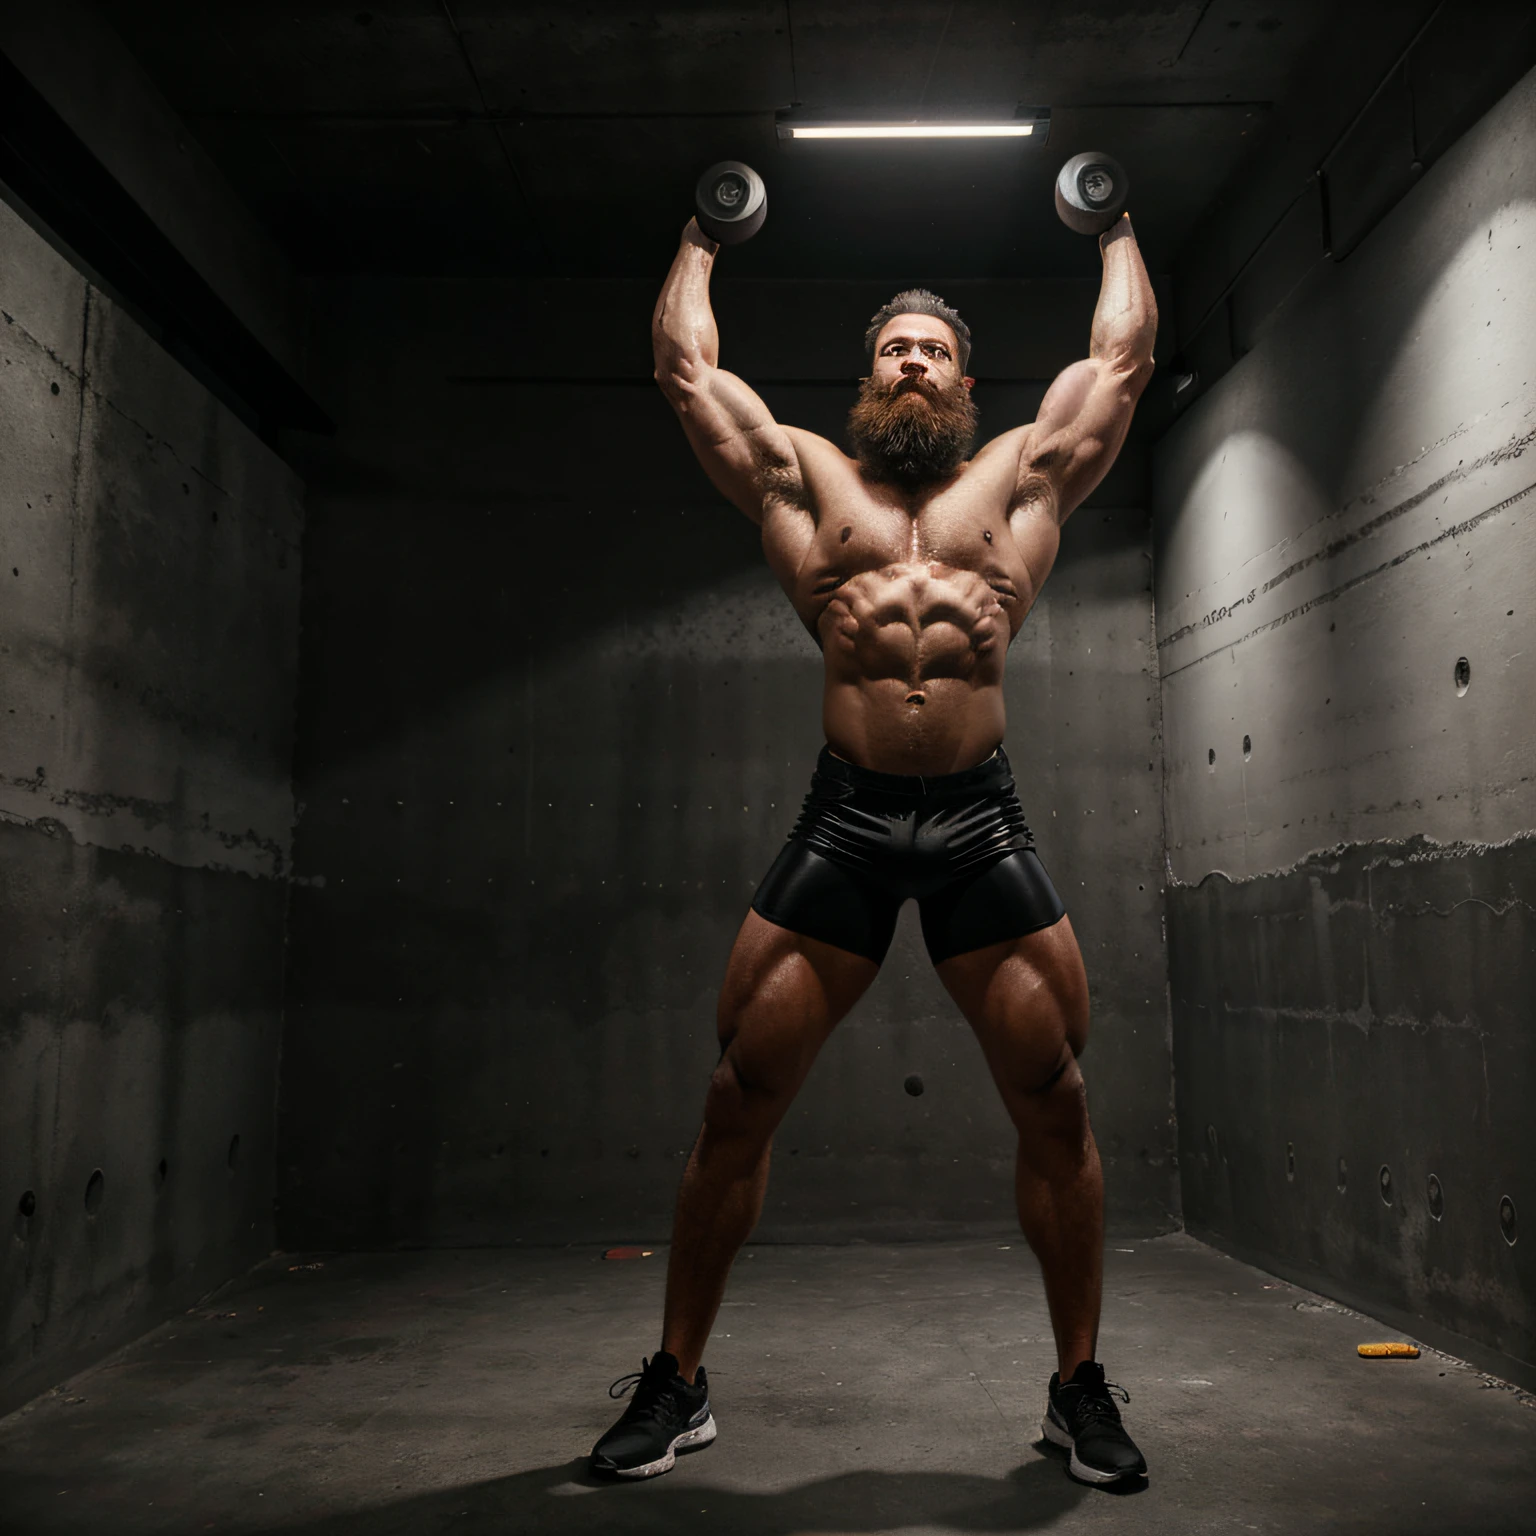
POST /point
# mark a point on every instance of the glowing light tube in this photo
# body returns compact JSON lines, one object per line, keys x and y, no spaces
{"x":906,"y":130}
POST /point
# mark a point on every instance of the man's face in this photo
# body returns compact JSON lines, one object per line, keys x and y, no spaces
{"x":914,"y":419}
{"x":914,"y":351}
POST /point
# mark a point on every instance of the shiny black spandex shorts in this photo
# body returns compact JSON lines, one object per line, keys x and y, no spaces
{"x":866,"y":841}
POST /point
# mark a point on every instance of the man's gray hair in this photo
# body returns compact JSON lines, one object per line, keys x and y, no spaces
{"x":918,"y":301}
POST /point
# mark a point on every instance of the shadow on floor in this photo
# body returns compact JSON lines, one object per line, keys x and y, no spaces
{"x":565,"y":1498}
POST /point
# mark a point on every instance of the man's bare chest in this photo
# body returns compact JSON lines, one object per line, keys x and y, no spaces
{"x":959,"y":539}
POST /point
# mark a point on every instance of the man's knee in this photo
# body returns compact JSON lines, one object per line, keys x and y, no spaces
{"x":742,"y":1099}
{"x":1057,"y":1144}
{"x":1056,"y":1105}
{"x":1068,"y":1059}
{"x":1036,"y":1082}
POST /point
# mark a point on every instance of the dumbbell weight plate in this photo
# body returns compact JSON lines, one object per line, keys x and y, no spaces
{"x":732,"y":202}
{"x":1091,"y":192}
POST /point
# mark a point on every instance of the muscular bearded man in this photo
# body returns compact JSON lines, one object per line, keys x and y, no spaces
{"x":913,"y":567}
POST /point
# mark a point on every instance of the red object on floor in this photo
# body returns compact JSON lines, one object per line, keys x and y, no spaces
{"x":627,"y":1253}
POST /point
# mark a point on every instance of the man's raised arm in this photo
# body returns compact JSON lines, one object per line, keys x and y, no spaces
{"x":742,"y":448}
{"x":1087,"y":410}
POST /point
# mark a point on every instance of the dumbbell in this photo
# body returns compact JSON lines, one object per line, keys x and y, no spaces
{"x":732,"y":202}
{"x":1090,"y":193}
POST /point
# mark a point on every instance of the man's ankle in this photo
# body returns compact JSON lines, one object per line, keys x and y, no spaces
{"x":688,"y":1375}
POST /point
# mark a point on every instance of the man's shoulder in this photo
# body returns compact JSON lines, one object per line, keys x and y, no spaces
{"x":821,"y":450}
{"x":821,"y":468}
{"x":1006,"y":445}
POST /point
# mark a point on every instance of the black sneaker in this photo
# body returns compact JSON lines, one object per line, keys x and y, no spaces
{"x":665,"y":1416}
{"x":1081,"y":1417}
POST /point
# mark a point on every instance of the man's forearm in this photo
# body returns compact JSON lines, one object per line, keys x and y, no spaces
{"x":1125,"y":321}
{"x":683,"y":326}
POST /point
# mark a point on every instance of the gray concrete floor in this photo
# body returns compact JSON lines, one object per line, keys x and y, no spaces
{"x":857,"y":1389}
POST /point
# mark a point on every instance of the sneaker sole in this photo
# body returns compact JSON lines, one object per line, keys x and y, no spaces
{"x":1080,"y":1469}
{"x":690,"y":1440}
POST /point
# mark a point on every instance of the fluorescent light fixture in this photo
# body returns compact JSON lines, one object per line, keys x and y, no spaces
{"x":912,"y":131}
{"x":1026,"y":123}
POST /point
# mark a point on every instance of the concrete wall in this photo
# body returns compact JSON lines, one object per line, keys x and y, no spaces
{"x":1346,"y":619}
{"x":149,"y":552}
{"x":556,"y":720}
{"x":73,"y":57}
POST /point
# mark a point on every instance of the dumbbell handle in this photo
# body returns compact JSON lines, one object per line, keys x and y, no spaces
{"x":1119,"y":230}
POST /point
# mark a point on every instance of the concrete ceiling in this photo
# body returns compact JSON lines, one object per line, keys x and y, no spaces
{"x":444,"y":136}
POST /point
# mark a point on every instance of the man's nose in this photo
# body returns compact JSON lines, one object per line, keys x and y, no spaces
{"x":914,"y":365}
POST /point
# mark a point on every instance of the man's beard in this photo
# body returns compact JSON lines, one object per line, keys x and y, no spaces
{"x":913,"y":435}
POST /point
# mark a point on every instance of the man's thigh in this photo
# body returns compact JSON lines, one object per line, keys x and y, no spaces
{"x":1027,"y":1001}
{"x":784,"y":993}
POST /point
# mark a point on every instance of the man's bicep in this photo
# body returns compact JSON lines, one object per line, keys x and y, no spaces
{"x":743,"y":450}
{"x":1079,"y":431}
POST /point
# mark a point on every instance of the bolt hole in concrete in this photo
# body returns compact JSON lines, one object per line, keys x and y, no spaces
{"x":1507,"y":1220}
{"x":27,"y":1205}
{"x":1384,"y":1183}
{"x":234,"y":1150}
{"x":1343,"y":1175}
{"x":1463,"y":675}
{"x":162,"y":1168}
{"x":1290,"y":1161}
{"x":1436,"y":1198}
{"x":1247,"y":748}
{"x":914,"y":1085}
{"x":1210,"y":757}
{"x":95,"y":1188}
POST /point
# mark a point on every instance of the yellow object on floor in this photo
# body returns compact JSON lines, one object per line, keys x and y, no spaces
{"x":1387,"y":1351}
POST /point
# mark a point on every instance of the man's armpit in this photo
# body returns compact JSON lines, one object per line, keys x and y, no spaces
{"x":784,"y":483}
{"x":1035,"y":488}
